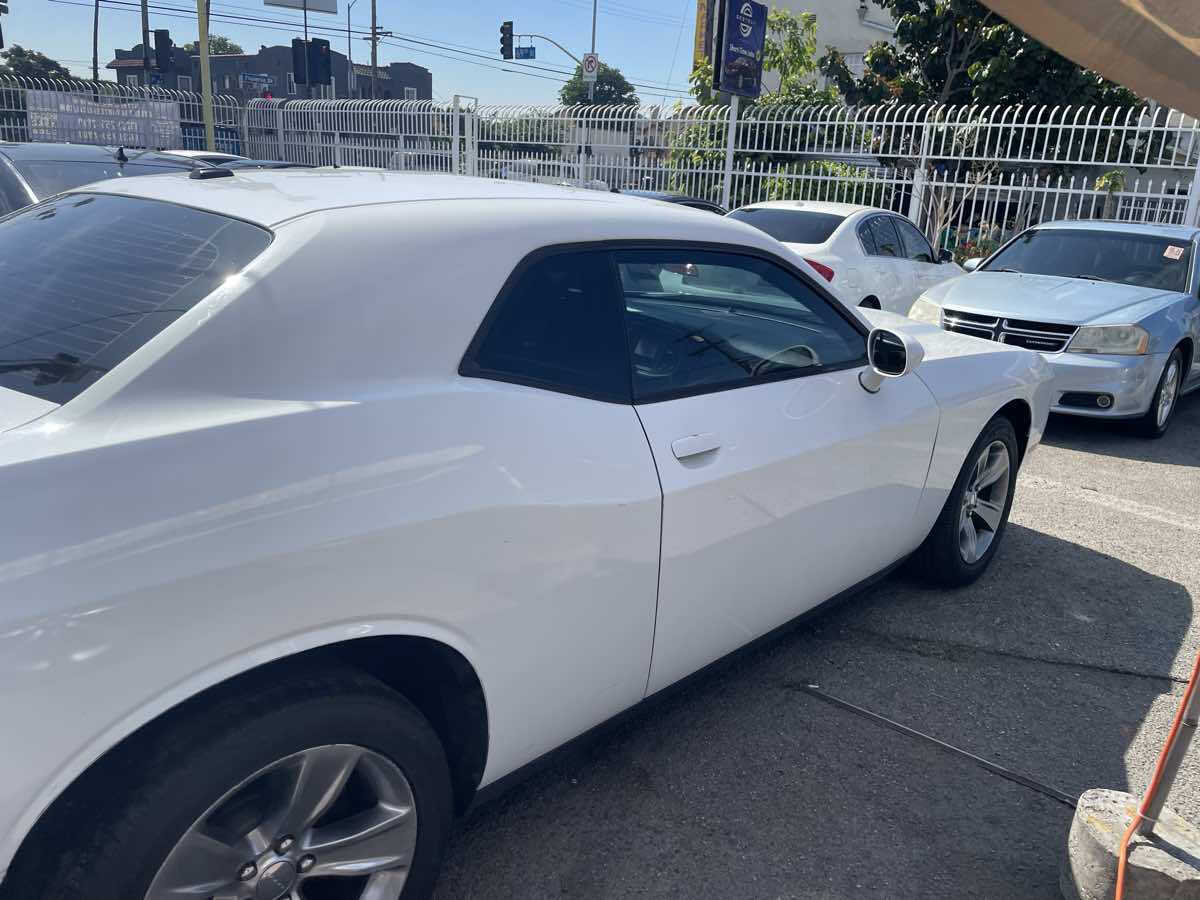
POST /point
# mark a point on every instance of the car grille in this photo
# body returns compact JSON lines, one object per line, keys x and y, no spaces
{"x":1047,"y":337}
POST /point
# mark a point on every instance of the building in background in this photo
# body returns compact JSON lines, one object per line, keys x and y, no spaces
{"x":849,"y":26}
{"x":269,"y":73}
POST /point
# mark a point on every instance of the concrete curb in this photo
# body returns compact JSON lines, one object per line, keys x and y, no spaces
{"x":1165,"y":864}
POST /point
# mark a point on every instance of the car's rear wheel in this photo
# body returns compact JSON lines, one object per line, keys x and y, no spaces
{"x":330,"y":787}
{"x":1158,"y":417}
{"x":967,"y":533}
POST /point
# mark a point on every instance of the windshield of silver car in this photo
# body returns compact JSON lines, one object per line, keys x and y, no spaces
{"x":1145,"y":260}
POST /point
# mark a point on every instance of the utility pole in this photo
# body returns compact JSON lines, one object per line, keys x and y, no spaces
{"x":206,"y":98}
{"x":145,"y":43}
{"x":591,"y":84}
{"x":307,"y":73}
{"x":96,"y":43}
{"x":349,"y":53}
{"x":374,"y":47}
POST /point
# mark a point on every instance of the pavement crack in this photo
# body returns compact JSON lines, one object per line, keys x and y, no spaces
{"x":940,"y":648}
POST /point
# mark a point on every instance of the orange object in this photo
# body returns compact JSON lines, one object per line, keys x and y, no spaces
{"x":1152,"y":789}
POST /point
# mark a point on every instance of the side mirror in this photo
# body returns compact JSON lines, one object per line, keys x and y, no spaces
{"x":972,"y":264}
{"x":945,"y":256}
{"x":890,"y":354}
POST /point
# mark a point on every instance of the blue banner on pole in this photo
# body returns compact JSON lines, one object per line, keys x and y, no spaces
{"x":742,"y":38}
{"x":526,"y":52}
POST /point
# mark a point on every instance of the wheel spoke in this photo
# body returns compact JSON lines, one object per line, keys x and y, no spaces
{"x":372,"y":841}
{"x":199,"y":866}
{"x":970,"y":540}
{"x":384,"y":886}
{"x":990,"y":513}
{"x":994,"y":465}
{"x":319,"y":782}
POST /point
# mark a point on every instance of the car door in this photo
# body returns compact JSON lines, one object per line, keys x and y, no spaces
{"x":784,"y":481}
{"x":926,"y":270}
{"x":567,"y":545}
{"x":890,"y":277}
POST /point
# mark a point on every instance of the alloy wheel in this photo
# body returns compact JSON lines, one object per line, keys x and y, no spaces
{"x":338,"y":818}
{"x":1170,"y":389}
{"x":983,"y":502}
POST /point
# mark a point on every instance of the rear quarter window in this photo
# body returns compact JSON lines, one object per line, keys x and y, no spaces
{"x":87,"y":279}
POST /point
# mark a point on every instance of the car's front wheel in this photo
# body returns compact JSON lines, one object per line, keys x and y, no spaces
{"x":967,"y":533}
{"x":330,"y":786}
{"x":1157,"y":420}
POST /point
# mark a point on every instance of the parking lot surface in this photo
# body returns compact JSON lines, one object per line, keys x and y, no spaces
{"x":1065,"y":663}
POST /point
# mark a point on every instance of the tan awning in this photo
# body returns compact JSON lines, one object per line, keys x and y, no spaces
{"x":1150,"y":46}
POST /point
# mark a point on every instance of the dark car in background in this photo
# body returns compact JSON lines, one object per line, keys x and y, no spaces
{"x":681,"y":199}
{"x":31,"y":172}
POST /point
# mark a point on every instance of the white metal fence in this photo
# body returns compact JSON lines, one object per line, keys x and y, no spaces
{"x":966,"y":175}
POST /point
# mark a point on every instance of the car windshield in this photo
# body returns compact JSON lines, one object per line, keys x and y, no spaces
{"x":1145,"y":260}
{"x":48,"y":177}
{"x":86,"y":279}
{"x":791,"y":226}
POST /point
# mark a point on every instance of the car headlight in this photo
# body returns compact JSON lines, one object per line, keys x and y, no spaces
{"x":926,"y":311}
{"x":1126,"y":340}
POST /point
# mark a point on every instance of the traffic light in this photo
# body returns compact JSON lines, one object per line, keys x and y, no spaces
{"x":506,"y":40}
{"x":299,"y":62}
{"x":162,"y":49}
{"x":320,"y":64}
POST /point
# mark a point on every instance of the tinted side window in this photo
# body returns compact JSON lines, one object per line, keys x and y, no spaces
{"x":48,"y":177}
{"x":557,"y":325}
{"x":867,"y":237}
{"x":915,"y":245}
{"x":884,"y":237}
{"x":701,"y":321}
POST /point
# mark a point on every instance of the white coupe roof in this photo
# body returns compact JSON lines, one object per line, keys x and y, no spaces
{"x":269,"y":197}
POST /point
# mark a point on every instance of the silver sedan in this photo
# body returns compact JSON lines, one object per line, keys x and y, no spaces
{"x":1114,"y":307}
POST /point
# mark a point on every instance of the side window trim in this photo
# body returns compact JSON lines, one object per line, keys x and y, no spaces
{"x":469,"y":367}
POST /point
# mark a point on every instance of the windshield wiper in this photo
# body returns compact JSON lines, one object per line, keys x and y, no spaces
{"x":60,"y":367}
{"x":1090,"y":277}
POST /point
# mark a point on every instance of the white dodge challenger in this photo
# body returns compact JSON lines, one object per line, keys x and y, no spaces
{"x":331,"y":497}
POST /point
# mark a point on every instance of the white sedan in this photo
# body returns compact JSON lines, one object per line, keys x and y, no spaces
{"x":874,"y":258}
{"x":331,"y":497}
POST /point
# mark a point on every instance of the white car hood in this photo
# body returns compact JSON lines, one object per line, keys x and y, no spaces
{"x":1042,"y":298}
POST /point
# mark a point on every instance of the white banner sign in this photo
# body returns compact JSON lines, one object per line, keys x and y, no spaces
{"x":82,"y":118}
{"x":321,"y":6}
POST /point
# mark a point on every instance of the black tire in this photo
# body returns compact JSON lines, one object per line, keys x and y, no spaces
{"x":938,"y":559}
{"x":869,"y":303}
{"x":143,"y":797}
{"x":1148,"y":425}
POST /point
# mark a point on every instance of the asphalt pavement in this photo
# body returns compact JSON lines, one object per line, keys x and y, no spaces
{"x":1063,"y":666}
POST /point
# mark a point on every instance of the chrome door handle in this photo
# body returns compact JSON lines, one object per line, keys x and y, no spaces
{"x":694,"y":445}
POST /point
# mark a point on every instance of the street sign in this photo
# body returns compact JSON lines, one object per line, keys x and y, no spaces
{"x":742,"y":32}
{"x":526,"y":52}
{"x":591,"y":66}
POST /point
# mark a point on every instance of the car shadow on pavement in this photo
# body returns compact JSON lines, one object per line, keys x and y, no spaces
{"x":1179,"y":446}
{"x":742,"y":785}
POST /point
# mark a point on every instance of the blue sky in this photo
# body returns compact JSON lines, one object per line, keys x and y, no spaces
{"x":649,"y":41}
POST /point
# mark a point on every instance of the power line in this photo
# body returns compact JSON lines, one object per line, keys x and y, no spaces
{"x":284,"y":25}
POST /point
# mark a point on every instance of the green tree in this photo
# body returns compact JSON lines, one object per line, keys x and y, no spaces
{"x":960,"y":52}
{"x":612,"y":89}
{"x":30,"y":64}
{"x":216,"y":44}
